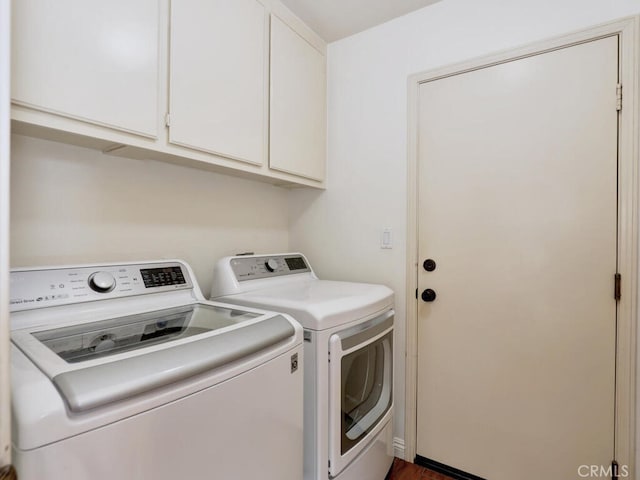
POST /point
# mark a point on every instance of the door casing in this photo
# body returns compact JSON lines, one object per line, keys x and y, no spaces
{"x":5,"y":154}
{"x":628,"y":30}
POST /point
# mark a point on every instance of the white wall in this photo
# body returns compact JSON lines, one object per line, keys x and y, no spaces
{"x":367,"y":75}
{"x":76,"y":205}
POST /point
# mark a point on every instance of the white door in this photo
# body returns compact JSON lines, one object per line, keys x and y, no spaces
{"x":517,"y":207}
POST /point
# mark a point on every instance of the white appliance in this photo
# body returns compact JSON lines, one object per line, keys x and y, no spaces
{"x":126,"y":371}
{"x":348,"y":350}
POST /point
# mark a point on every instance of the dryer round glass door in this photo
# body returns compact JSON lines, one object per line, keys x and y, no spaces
{"x":361,"y":378}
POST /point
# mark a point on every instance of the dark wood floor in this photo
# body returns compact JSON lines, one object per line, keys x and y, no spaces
{"x":402,"y":470}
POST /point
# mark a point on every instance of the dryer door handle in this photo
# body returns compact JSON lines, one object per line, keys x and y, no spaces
{"x":366,"y":332}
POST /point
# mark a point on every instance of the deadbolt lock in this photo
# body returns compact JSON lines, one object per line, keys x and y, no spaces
{"x":429,"y":265}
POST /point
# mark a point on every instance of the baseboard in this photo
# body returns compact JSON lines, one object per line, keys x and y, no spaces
{"x":445,"y":469}
{"x":398,"y":448}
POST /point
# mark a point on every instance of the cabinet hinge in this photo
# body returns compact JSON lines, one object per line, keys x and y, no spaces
{"x":619,"y":97}
{"x":617,"y":286}
{"x":167,"y":119}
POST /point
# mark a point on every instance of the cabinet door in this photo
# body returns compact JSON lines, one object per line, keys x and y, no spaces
{"x":297,"y":109}
{"x":217,"y":79}
{"x":88,"y":60}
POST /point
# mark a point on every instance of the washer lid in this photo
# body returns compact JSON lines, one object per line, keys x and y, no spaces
{"x":88,"y":341}
{"x":93,"y":364}
{"x":319,"y":304}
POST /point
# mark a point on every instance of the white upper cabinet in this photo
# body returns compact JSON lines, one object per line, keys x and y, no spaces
{"x":218,"y":69}
{"x":88,"y":60}
{"x":298,"y":104}
{"x":236,"y":86}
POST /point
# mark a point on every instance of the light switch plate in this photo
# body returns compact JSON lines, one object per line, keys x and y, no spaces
{"x":386,"y":240}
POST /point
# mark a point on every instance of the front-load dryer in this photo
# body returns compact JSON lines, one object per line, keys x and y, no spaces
{"x":348,"y":351}
{"x":126,"y":371}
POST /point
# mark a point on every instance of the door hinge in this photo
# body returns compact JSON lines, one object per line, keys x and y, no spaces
{"x":614,"y":470}
{"x":617,"y":286}
{"x":167,"y":119}
{"x":619,"y":97}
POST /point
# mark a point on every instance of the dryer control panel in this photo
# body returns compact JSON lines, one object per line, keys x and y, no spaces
{"x":48,"y":287}
{"x":267,"y":266}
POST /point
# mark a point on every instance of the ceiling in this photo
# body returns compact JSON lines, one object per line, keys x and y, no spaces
{"x":336,"y":19}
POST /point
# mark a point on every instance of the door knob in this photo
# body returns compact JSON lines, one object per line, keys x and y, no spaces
{"x":428,"y":295}
{"x":429,"y":265}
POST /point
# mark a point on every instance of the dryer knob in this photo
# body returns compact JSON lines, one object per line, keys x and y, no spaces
{"x":102,"y":282}
{"x":271,"y":264}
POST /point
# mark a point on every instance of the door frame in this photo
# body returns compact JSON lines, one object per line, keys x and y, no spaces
{"x":628,"y":30}
{"x":5,"y":138}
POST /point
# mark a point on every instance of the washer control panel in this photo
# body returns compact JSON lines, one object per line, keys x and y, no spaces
{"x":62,"y":286}
{"x":254,"y":267}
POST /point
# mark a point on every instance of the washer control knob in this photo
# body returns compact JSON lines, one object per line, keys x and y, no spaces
{"x":271,"y":264}
{"x":102,"y":282}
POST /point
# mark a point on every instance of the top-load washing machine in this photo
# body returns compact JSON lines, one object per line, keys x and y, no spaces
{"x":126,"y":371}
{"x":348,"y":351}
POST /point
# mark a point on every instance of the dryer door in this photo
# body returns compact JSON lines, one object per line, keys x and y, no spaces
{"x":361,"y":381}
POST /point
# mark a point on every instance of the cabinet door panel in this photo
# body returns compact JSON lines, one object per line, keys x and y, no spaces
{"x":217,"y":79}
{"x":297,"y":108}
{"x":89,"y":60}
